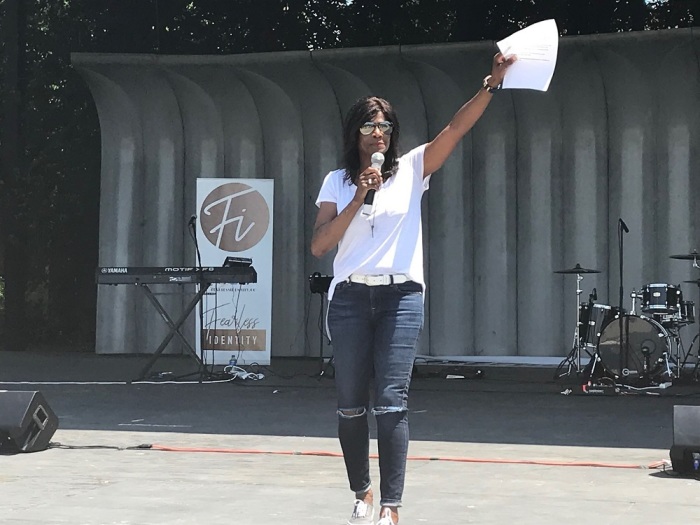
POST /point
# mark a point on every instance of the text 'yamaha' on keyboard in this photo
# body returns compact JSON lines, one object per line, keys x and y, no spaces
{"x":241,"y":274}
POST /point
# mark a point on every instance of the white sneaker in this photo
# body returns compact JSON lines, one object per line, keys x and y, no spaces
{"x":362,"y":514}
{"x":386,"y":519}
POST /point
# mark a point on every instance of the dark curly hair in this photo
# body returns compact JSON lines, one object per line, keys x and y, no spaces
{"x":364,"y":110}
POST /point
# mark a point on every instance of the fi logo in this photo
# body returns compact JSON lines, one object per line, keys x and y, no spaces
{"x":234,"y":217}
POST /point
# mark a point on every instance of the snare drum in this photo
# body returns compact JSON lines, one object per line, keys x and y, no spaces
{"x":661,"y":298}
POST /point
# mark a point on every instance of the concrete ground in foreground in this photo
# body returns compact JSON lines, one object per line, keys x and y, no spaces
{"x":507,"y":448}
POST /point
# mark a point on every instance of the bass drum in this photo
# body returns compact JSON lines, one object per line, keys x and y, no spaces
{"x":644,"y":341}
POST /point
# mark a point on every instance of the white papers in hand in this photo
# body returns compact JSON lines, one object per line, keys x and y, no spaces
{"x":536,"y":48}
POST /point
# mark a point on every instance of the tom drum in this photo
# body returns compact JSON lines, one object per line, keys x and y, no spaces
{"x":661,"y":298}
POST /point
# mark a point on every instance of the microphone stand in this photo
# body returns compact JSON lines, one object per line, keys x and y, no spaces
{"x":621,"y":229}
{"x":192,"y":227}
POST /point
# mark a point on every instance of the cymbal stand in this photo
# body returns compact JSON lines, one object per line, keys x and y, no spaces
{"x":695,"y":373}
{"x":681,"y":364}
{"x":680,"y":350}
{"x":573,"y":360}
{"x":595,"y":359}
{"x":667,"y":363}
{"x":676,"y":359}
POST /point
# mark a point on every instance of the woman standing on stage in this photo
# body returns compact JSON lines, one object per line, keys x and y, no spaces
{"x":375,"y":313}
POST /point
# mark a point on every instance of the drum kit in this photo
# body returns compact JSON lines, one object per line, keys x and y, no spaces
{"x":636,"y":349}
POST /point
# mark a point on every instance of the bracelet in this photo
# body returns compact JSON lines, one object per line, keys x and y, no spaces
{"x":488,"y":87}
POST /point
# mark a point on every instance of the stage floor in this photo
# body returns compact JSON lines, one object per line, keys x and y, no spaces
{"x":506,"y":448}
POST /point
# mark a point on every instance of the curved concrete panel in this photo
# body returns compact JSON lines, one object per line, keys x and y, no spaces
{"x":539,"y":139}
{"x":203,"y":135}
{"x":494,"y":161}
{"x":283,"y":161}
{"x":449,"y":263}
{"x":678,"y":150}
{"x":244,"y":153}
{"x":347,"y":88}
{"x":203,"y":141}
{"x":162,"y":185}
{"x":119,"y":195}
{"x":582,"y":232}
{"x":632,"y":183}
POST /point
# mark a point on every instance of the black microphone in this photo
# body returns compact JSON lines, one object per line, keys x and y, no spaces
{"x":377,"y":161}
{"x":624,"y":226}
{"x":595,"y":294}
{"x":191,"y":228}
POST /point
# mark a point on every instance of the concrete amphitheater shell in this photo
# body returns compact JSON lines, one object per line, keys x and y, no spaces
{"x":537,"y":186}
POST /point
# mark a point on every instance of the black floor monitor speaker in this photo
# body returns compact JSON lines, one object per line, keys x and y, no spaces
{"x":685,"y":452}
{"x":27,"y":423}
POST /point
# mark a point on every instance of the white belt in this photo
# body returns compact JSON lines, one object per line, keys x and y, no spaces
{"x":378,"y":280}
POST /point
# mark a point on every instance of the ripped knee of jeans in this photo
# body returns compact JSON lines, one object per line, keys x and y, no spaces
{"x":379,"y":411}
{"x":350,"y":413}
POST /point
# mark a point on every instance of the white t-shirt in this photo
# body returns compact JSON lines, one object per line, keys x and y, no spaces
{"x":389,"y":241}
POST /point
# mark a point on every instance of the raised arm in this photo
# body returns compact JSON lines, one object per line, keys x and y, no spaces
{"x":437,"y":150}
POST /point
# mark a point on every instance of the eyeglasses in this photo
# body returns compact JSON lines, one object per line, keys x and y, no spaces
{"x":385,"y":127}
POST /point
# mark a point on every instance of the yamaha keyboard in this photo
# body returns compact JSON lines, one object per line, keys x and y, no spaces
{"x":145,"y":275}
{"x":235,"y":270}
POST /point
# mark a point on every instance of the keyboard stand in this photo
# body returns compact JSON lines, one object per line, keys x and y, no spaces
{"x":174,"y":327}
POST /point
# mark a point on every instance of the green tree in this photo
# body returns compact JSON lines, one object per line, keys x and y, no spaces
{"x":674,"y":13}
{"x":12,"y":227}
{"x":46,"y":188}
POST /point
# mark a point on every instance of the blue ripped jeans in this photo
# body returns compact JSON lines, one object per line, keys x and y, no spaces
{"x":374,"y":331}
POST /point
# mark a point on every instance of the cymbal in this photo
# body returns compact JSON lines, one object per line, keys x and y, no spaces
{"x":687,"y":257}
{"x":696,"y":281}
{"x":577,"y":269}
